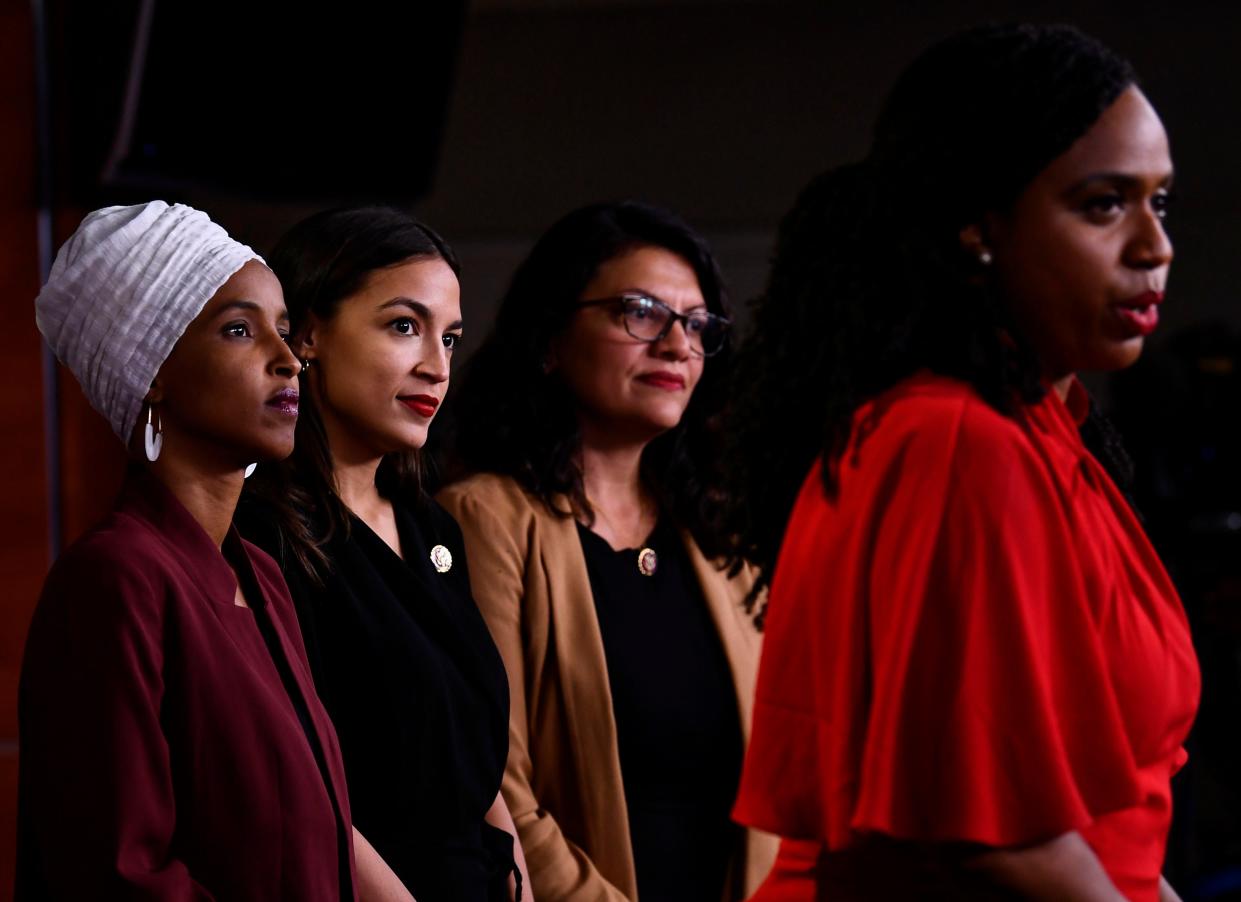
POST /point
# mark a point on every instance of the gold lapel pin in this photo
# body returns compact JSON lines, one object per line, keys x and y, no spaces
{"x":441,"y":558}
{"x":648,"y":561}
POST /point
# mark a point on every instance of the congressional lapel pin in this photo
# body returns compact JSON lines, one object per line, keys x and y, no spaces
{"x":648,"y":562}
{"x":441,"y":558}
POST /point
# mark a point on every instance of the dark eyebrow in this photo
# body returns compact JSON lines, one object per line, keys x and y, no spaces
{"x":638,"y":292}
{"x":250,"y":306}
{"x":417,"y":307}
{"x":1120,"y":179}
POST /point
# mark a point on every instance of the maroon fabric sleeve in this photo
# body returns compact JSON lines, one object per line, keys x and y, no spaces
{"x":91,"y":735}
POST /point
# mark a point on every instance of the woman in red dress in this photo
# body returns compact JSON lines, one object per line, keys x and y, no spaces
{"x":977,"y":676}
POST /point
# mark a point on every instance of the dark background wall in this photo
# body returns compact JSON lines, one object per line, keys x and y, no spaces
{"x":23,"y":524}
{"x":491,"y":122}
{"x":724,"y":110}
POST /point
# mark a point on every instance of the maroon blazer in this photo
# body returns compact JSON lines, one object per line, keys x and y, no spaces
{"x":161,"y":755}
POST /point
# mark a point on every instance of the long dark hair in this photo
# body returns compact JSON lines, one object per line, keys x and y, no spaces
{"x":320,"y":262}
{"x":870,"y":282}
{"x":514,"y":418}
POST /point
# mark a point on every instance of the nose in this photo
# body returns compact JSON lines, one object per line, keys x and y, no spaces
{"x":675,"y":345}
{"x":1150,"y":246}
{"x":283,"y":361}
{"x":436,"y":366}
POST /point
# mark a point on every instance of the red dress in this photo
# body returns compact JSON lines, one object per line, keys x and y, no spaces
{"x":975,"y":642}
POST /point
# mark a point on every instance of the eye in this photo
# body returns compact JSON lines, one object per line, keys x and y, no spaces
{"x":451,"y":340}
{"x":404,"y":325}
{"x":238,"y":329}
{"x":1103,"y":206}
{"x":639,"y":308}
{"x":697,"y":323}
{"x":284,"y":336}
{"x":1162,"y":203}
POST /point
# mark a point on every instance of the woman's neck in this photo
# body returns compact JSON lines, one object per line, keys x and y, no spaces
{"x":1061,"y":386}
{"x":353,"y":473}
{"x":625,"y":511}
{"x":355,"y":484}
{"x":354,"y":467}
{"x":210,"y":494}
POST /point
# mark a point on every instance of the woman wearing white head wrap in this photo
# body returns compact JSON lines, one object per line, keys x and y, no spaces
{"x":172,"y":744}
{"x":121,"y":293}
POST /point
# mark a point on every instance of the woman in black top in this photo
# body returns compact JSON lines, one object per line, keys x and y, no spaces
{"x":399,"y":652}
{"x":677,"y":729}
{"x":585,"y":422}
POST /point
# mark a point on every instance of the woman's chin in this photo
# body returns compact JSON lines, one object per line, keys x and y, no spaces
{"x":273,"y":450}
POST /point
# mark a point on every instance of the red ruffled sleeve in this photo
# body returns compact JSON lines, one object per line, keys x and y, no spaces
{"x":932,"y":668}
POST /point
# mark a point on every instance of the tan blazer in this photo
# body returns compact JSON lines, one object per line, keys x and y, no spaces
{"x":563,"y":780}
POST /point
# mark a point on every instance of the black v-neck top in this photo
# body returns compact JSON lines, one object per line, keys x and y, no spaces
{"x":677,"y":718}
{"x":417,"y":691}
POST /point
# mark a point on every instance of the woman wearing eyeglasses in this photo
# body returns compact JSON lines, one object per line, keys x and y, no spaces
{"x":590,"y":524}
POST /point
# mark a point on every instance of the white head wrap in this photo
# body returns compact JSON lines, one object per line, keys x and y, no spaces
{"x":122,"y":291}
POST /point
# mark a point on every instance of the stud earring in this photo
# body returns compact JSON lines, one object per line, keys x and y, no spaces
{"x":152,"y":435}
{"x":984,"y":257}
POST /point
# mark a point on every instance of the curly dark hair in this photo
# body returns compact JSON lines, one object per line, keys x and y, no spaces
{"x":320,"y":262}
{"x":510,"y":416}
{"x":870,"y":282}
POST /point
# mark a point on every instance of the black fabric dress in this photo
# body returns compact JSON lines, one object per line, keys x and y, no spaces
{"x":417,"y":691}
{"x":678,"y":725}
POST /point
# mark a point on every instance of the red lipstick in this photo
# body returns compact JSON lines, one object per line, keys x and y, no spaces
{"x":423,"y":405}
{"x":284,"y":401}
{"x":664,"y":379}
{"x":1141,"y":312}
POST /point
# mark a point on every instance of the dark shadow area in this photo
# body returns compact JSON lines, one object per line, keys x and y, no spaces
{"x":1178,"y":410}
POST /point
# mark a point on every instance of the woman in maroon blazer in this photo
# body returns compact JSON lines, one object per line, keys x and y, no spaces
{"x":172,"y":745}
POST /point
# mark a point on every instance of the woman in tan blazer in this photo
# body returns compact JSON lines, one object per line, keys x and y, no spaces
{"x":590,"y":522}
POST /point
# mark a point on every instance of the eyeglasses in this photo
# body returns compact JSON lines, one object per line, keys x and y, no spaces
{"x":650,"y":319}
